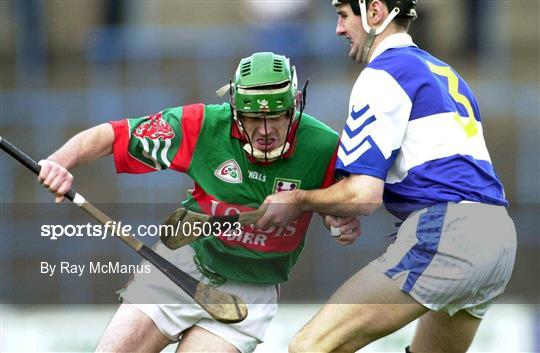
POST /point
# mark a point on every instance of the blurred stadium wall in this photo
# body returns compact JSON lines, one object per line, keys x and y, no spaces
{"x":69,"y":65}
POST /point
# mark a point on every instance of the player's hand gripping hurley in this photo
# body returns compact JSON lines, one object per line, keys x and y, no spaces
{"x":223,"y":307}
{"x":178,"y":217}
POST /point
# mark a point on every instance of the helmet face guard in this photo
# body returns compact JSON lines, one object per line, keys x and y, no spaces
{"x":264,"y":86}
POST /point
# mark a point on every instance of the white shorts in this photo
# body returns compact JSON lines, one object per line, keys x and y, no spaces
{"x":173,"y":311}
{"x":452,"y":257}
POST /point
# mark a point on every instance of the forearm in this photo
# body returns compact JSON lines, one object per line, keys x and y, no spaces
{"x":85,"y":147}
{"x":357,"y":195}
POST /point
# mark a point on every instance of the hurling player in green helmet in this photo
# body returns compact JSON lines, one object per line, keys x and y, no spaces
{"x":237,"y":154}
{"x":265,"y":89}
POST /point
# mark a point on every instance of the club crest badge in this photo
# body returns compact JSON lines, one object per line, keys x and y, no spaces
{"x":285,"y":184}
{"x":155,"y":128}
{"x":263,"y":105}
{"x":155,"y":136}
{"x":229,"y":171}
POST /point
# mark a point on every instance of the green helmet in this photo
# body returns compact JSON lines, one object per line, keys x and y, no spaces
{"x":264,"y":82}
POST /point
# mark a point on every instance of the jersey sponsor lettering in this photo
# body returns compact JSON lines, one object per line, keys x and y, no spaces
{"x":256,"y":176}
{"x":273,"y":239}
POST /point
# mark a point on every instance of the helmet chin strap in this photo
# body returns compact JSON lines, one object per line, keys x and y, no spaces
{"x":267,"y":156}
{"x":372,"y":32}
{"x":364,"y":57}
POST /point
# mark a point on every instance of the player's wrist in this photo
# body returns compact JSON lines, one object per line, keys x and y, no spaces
{"x":53,"y":159}
{"x":300,"y":197}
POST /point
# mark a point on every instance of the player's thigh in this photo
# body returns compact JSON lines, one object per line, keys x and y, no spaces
{"x":437,"y":332}
{"x":368,"y":306}
{"x":130,"y":330}
{"x":197,"y":339}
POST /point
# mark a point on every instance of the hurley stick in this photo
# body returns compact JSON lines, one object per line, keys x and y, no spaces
{"x":174,"y":238}
{"x":223,"y":307}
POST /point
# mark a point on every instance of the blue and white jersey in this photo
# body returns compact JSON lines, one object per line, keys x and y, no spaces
{"x":414,"y":122}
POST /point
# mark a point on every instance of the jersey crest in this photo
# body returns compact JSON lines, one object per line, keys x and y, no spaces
{"x":155,"y":135}
{"x":229,"y":172}
{"x":155,"y":128}
{"x":281,"y":184}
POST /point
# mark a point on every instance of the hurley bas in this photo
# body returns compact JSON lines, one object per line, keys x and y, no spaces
{"x":93,"y":267}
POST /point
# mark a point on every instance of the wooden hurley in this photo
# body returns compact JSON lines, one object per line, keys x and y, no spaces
{"x":222,"y":306}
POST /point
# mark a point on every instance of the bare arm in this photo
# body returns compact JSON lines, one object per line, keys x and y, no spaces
{"x":85,"y":147}
{"x":356,"y":195}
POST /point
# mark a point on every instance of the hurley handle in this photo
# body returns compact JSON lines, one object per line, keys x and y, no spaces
{"x":27,"y":161}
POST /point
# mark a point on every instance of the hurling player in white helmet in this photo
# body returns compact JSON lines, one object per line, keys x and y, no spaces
{"x":413,"y":139}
